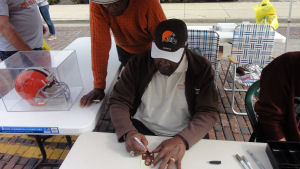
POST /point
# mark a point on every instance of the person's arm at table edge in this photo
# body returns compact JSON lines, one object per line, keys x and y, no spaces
{"x":11,"y":35}
{"x":271,"y":118}
{"x":100,"y":44}
{"x":121,"y":120}
{"x":122,"y":99}
{"x":200,"y":125}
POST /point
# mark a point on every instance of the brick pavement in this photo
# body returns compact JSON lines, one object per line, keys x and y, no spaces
{"x":21,"y":152}
{"x":65,"y":35}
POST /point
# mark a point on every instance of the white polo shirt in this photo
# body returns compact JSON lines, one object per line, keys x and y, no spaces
{"x":163,"y":107}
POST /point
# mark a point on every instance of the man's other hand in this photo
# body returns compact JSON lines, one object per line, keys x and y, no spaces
{"x":132,"y":146}
{"x":93,"y":96}
{"x":170,"y":152}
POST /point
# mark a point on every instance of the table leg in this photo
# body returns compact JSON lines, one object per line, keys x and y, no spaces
{"x":69,"y":141}
{"x":40,"y":141}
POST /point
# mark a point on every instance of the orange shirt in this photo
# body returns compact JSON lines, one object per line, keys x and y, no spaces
{"x":133,"y":31}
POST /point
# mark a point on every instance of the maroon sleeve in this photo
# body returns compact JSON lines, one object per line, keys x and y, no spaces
{"x":275,"y":107}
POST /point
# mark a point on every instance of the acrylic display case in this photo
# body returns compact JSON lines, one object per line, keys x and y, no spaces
{"x":40,"y":81}
{"x":284,"y":155}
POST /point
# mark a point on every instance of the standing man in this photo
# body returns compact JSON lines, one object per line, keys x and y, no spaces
{"x":20,"y":27}
{"x":165,"y":91}
{"x":132,"y":23}
{"x":44,"y":9}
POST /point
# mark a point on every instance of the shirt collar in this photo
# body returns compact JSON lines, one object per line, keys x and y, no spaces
{"x":183,"y":65}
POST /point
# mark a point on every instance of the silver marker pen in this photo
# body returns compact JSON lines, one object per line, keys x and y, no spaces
{"x":140,"y":143}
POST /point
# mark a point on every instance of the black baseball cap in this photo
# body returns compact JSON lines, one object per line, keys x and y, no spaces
{"x":169,"y":40}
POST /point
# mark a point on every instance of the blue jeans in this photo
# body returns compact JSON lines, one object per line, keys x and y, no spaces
{"x":46,"y":15}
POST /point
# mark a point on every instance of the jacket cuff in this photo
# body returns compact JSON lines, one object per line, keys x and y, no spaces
{"x":98,"y":84}
{"x":121,"y":120}
{"x":122,"y":137}
{"x":184,"y":141}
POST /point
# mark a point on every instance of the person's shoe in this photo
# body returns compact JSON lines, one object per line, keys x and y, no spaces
{"x":52,"y":37}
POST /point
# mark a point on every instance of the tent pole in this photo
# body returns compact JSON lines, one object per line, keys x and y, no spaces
{"x":288,"y":26}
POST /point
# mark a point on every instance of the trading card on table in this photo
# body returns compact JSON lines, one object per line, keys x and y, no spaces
{"x":147,"y":160}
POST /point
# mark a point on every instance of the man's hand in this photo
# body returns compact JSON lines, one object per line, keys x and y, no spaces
{"x":282,"y":139}
{"x":93,"y":96}
{"x":132,"y":146}
{"x":170,"y":152}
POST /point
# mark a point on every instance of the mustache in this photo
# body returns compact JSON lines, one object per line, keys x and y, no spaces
{"x":165,"y":69}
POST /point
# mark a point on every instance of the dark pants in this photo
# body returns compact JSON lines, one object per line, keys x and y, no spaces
{"x":141,"y":127}
{"x":46,"y":15}
{"x":144,"y":130}
{"x":123,"y":55}
{"x":6,"y":54}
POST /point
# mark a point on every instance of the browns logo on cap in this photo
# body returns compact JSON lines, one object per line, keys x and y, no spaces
{"x":169,"y":37}
{"x":169,"y":40}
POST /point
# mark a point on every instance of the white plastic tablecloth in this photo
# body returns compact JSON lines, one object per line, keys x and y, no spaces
{"x":102,"y":150}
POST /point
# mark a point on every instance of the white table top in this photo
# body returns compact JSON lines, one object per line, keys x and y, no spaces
{"x":227,"y":36}
{"x":77,"y":120}
{"x":101,"y":150}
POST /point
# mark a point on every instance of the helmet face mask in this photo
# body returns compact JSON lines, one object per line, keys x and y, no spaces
{"x":51,"y":91}
{"x":38,"y":86}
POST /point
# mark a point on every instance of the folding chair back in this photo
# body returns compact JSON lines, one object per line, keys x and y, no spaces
{"x":253,"y":44}
{"x":208,"y":43}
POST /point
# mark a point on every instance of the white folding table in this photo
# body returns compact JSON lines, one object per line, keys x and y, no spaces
{"x":98,"y":150}
{"x":75,"y":121}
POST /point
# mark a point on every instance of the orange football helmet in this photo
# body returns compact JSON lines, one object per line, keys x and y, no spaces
{"x":37,"y":86}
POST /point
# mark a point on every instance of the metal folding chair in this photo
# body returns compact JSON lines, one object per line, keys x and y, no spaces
{"x":251,"y":96}
{"x":252,"y":44}
{"x":208,"y":43}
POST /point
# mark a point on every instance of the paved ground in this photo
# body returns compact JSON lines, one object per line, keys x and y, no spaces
{"x":21,"y":152}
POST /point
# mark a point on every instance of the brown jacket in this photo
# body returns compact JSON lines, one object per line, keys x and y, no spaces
{"x":200,"y":93}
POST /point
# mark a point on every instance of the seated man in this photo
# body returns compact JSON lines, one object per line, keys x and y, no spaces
{"x":279,"y":91}
{"x":166,"y":91}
